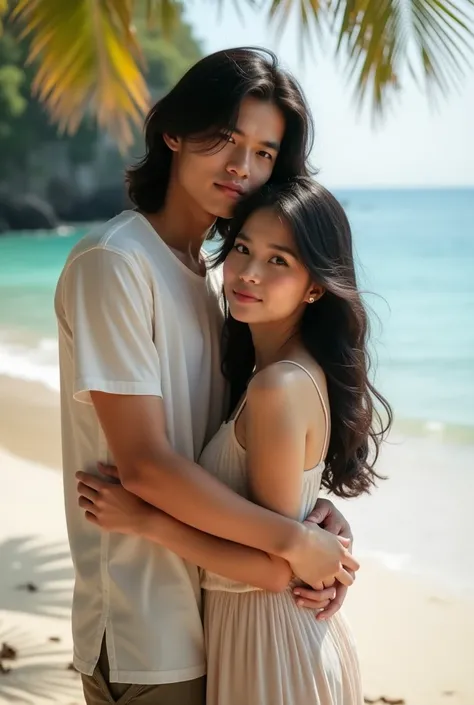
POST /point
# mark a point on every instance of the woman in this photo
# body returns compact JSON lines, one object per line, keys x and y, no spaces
{"x":296,"y":359}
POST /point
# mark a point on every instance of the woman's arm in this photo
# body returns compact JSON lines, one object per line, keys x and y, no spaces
{"x":276,"y":432}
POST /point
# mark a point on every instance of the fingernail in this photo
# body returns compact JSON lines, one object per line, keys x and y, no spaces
{"x":297,"y":592}
{"x":300,"y":603}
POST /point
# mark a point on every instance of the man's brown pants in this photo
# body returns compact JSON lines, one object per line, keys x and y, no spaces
{"x":99,"y":691}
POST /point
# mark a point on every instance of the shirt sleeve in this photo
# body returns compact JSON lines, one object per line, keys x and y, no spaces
{"x":109,"y":309}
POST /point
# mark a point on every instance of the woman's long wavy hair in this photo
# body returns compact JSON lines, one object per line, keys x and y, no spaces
{"x":334,"y":329}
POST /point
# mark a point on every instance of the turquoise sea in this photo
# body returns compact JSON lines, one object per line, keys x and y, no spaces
{"x":415,"y":250}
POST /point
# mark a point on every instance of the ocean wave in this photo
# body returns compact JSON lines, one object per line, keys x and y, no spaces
{"x":457,"y":580}
{"x":435,"y":428}
{"x":38,"y":363}
{"x":391,"y":561}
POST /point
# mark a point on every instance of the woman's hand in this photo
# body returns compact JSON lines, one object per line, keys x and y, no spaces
{"x":330,"y":518}
{"x":110,"y":506}
{"x":319,"y":556}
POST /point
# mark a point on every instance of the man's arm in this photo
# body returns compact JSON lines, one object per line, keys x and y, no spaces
{"x":112,"y":508}
{"x":149,"y":468}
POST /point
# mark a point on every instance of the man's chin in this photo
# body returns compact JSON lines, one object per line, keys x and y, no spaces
{"x":223,"y":213}
{"x":223,"y":209}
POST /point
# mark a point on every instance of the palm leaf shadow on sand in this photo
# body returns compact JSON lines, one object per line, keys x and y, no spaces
{"x":40,"y":671}
{"x":36,"y":576}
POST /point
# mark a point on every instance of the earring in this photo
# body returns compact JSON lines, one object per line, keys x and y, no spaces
{"x":311,"y":300}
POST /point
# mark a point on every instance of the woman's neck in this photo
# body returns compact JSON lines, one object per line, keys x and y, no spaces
{"x":273,"y":342}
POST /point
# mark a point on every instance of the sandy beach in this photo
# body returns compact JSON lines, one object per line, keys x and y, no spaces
{"x":415,"y":636}
{"x":29,"y":421}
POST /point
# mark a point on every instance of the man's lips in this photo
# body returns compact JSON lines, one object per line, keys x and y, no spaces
{"x":233,"y":191}
{"x":245,"y":298}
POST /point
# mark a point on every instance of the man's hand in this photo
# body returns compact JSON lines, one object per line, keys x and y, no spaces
{"x":328,"y":517}
{"x":331,"y":519}
{"x":108,"y":505}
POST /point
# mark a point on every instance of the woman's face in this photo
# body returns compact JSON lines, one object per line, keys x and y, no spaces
{"x":264,"y":281}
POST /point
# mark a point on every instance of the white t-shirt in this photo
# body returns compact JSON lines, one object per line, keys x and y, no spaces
{"x":133,"y":319}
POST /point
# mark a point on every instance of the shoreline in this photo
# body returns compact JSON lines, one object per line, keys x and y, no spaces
{"x":37,"y":404}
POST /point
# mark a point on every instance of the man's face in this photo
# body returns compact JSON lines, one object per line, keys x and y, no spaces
{"x":216,"y":180}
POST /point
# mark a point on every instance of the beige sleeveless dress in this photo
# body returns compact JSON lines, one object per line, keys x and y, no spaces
{"x":262,"y":649}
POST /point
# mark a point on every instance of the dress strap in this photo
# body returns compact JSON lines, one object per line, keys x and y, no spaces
{"x":240,"y":408}
{"x":323,"y":403}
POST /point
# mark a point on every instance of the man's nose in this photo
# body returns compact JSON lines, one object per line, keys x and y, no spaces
{"x":239,"y":163}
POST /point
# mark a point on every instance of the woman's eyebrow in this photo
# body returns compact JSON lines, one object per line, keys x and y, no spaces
{"x":283,"y":248}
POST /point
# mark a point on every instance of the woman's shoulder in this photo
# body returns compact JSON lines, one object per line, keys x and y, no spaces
{"x":285,"y":381}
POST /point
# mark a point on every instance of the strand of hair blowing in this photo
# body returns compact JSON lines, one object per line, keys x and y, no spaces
{"x":335,"y":330}
{"x":357,"y":426}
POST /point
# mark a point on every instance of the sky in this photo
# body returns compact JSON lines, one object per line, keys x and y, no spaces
{"x":417,"y":144}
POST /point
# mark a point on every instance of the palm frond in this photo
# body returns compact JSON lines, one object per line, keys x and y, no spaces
{"x":384,"y":38}
{"x":3,"y":10}
{"x":441,"y":31}
{"x":310,"y":15}
{"x":373,"y":36}
{"x":164,"y":13}
{"x":88,"y":59}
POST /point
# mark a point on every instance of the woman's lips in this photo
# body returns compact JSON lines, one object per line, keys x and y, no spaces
{"x":245,"y":298}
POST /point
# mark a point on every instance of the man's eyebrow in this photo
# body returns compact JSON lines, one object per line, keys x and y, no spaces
{"x":275,"y":146}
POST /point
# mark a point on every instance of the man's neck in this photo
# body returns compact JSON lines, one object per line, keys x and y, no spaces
{"x":181,"y":223}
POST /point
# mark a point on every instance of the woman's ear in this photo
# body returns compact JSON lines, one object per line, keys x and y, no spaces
{"x":172,"y":142}
{"x":314,"y":293}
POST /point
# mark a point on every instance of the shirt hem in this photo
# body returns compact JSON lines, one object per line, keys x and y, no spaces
{"x":84,"y":386}
{"x":143,"y":677}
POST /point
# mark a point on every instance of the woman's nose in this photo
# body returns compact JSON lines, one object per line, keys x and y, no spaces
{"x":251,"y":274}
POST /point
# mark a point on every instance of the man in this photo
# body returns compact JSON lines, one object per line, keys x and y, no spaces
{"x":139,"y":333}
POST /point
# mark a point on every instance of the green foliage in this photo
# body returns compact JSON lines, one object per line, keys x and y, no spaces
{"x":167,"y":57}
{"x":25,"y":126}
{"x":12,"y":77}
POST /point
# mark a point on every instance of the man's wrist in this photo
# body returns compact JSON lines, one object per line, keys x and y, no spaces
{"x":147,"y":525}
